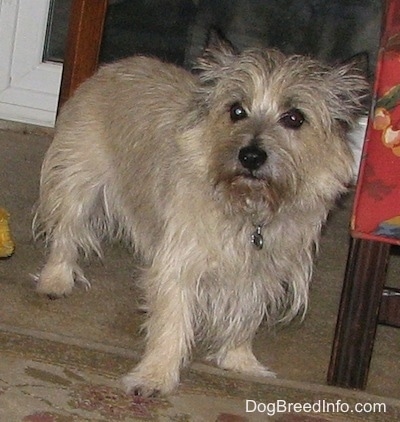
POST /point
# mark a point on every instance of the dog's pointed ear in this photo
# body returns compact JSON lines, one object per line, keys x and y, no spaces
{"x":218,"y":53}
{"x":349,"y":91}
{"x":361,"y":62}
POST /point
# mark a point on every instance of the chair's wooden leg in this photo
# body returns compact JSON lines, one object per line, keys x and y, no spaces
{"x":358,"y":313}
{"x":85,"y":33}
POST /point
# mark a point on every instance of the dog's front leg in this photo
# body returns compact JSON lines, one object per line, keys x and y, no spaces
{"x":169,"y":339}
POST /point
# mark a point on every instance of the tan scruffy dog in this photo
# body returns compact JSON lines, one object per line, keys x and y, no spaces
{"x":220,"y":179}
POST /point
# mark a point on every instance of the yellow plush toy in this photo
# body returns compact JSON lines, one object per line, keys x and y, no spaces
{"x":6,"y":243}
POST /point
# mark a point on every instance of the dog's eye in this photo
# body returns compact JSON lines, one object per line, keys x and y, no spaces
{"x":292,"y":119}
{"x":237,"y":112}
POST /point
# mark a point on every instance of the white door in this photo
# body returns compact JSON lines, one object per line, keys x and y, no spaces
{"x":29,"y":87}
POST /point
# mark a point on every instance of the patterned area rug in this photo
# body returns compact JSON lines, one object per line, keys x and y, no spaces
{"x":55,"y":380}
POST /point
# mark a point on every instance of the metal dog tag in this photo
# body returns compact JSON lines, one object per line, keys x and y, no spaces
{"x":257,"y":238}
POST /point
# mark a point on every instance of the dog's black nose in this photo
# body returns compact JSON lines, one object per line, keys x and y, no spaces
{"x":252,"y":157}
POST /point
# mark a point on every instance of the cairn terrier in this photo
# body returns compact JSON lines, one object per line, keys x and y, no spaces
{"x":220,"y":178}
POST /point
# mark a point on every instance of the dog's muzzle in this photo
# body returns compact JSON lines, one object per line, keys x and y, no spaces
{"x":252,"y":157}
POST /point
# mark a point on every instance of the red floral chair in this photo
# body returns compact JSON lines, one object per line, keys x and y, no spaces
{"x":375,"y":225}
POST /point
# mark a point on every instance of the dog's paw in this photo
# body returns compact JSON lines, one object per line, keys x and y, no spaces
{"x":148,"y":384}
{"x":253,"y":368}
{"x":242,"y":360}
{"x":55,"y":280}
{"x":258,"y":371}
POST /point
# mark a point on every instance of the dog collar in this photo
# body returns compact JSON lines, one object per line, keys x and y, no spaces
{"x":257,"y":238}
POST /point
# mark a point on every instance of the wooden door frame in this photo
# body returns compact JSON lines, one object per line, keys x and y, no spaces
{"x":85,"y":33}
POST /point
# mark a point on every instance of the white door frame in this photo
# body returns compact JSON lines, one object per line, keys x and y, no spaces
{"x":29,"y":87}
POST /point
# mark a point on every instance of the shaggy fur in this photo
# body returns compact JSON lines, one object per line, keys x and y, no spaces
{"x":188,"y":167}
